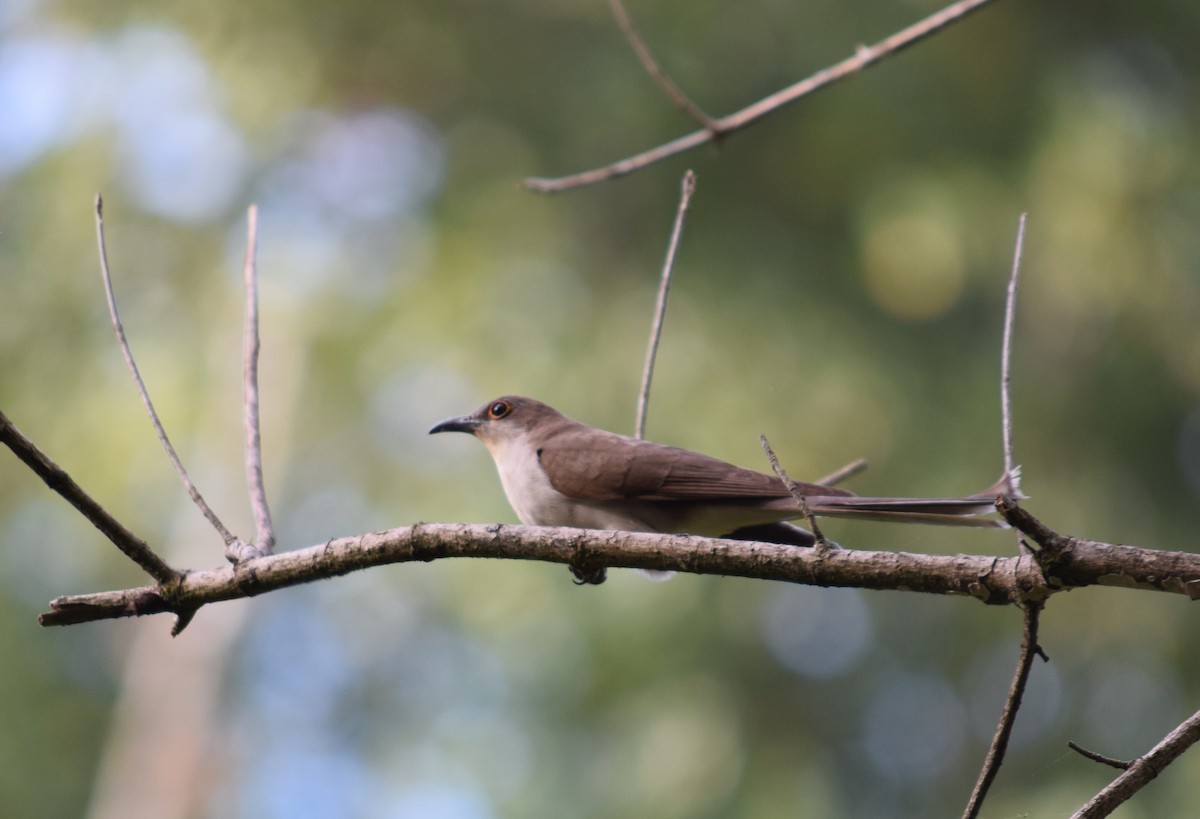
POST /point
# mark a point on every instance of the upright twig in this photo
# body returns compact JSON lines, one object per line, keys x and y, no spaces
{"x":795,"y":492}
{"x":1142,"y":770}
{"x":265,"y":540}
{"x":660,"y":77}
{"x":141,"y":387}
{"x":1033,"y":608}
{"x":57,"y":479}
{"x":1008,"y":716}
{"x":863,"y":57}
{"x":1012,"y":472}
{"x":1006,"y":351}
{"x":660,"y":310}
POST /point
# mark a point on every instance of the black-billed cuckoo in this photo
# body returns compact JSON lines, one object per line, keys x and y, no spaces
{"x":559,"y":472}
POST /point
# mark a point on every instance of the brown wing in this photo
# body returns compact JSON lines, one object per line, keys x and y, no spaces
{"x":606,"y":466}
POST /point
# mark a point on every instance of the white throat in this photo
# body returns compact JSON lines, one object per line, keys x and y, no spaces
{"x":525,"y":483}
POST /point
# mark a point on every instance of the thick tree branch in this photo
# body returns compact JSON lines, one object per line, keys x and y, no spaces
{"x":57,"y":479}
{"x":1066,"y":559}
{"x":996,"y":580}
{"x":863,"y":57}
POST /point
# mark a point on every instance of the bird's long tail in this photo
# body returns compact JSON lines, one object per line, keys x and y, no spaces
{"x":966,"y":511}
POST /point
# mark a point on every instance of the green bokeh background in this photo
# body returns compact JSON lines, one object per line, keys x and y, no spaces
{"x":839,"y":288}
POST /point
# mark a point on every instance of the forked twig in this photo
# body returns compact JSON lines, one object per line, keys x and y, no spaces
{"x":863,"y":57}
{"x":1008,"y":716}
{"x":685,"y":197}
{"x":141,"y":387}
{"x":265,"y":540}
{"x":57,"y":479}
{"x":660,"y":77}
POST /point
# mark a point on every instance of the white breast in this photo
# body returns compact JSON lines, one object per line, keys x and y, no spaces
{"x":538,"y":503}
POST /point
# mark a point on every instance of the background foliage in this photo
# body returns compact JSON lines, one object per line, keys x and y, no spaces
{"x":839,"y":288}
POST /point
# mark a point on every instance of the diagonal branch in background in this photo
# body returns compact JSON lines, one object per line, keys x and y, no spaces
{"x":226,"y":535}
{"x":863,"y":57}
{"x":265,"y":540}
{"x":1008,"y":715}
{"x":57,"y":479}
{"x":1142,"y":770}
{"x":990,"y":579}
{"x":660,"y":77}
{"x":688,"y":186}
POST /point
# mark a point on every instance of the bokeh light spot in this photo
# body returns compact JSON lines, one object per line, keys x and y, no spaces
{"x":913,"y":728}
{"x":914,"y":266}
{"x":816,"y":633}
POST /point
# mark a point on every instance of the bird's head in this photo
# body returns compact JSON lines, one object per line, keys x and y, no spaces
{"x":500,"y":420}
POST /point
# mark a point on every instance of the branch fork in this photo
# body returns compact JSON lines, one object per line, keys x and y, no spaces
{"x":716,"y":130}
{"x":171,"y":583}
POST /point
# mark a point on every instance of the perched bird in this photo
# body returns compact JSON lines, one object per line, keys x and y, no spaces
{"x":559,"y":472}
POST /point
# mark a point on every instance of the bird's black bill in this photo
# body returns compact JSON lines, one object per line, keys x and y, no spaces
{"x":464,"y":423}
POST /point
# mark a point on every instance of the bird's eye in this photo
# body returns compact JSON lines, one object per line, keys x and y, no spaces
{"x":499,"y":409}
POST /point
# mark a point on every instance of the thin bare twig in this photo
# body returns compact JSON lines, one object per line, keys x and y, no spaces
{"x":1119,"y":764}
{"x":660,"y":77}
{"x":141,"y":387}
{"x":1142,"y":770}
{"x":57,"y":479}
{"x":1006,"y":351}
{"x":795,"y":491}
{"x":1012,"y":472}
{"x":863,"y":57}
{"x":685,"y":197}
{"x":844,"y":473}
{"x":1008,"y":716}
{"x":265,"y":540}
